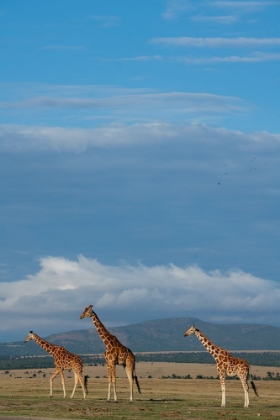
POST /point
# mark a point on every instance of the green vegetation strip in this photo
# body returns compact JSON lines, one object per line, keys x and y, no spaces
{"x":37,"y":362}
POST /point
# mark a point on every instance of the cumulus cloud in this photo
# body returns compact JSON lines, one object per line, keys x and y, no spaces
{"x":61,"y":289}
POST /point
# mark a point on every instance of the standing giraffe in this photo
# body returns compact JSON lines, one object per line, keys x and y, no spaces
{"x":63,"y":359}
{"x":226,"y":364}
{"x":115,"y":354}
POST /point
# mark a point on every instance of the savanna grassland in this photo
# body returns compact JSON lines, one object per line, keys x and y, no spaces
{"x":26,"y":393}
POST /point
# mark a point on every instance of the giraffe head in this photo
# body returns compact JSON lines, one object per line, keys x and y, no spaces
{"x":29,"y":337}
{"x":190,"y":331}
{"x":87,"y":312}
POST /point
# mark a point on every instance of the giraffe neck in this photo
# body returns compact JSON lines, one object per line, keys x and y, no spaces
{"x":211,"y":347}
{"x":48,"y":347}
{"x":103,"y":333}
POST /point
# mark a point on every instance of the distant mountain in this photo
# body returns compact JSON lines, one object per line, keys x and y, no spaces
{"x":157,"y":336}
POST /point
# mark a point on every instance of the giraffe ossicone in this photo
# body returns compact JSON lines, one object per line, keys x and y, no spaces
{"x":115,"y":354}
{"x":226,"y":364}
{"x":63,"y":359}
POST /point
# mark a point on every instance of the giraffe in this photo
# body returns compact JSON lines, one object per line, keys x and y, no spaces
{"x":63,"y":359}
{"x":226,"y":364}
{"x":115,"y":354}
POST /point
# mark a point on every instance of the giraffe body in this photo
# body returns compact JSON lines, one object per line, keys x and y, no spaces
{"x":115,"y":354}
{"x":63,"y":359}
{"x":226,"y":364}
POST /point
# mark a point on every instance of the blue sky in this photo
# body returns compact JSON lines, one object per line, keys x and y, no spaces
{"x":139,"y":162}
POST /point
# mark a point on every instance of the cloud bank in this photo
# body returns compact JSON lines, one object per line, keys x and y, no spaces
{"x":59,"y":291}
{"x":15,"y":138}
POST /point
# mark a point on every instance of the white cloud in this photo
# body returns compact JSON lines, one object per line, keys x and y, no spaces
{"x":21,"y":139}
{"x":245,"y":6}
{"x":185,"y":100}
{"x":215,"y":42}
{"x":257,"y":57}
{"x":137,"y":58}
{"x":224,"y":20}
{"x":63,"y":47}
{"x":175,"y":8}
{"x":62,"y":288}
{"x":105,"y":21}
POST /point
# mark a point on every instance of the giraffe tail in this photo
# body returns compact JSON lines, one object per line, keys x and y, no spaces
{"x":254,"y":388}
{"x":85,"y":383}
{"x":135,"y":378}
{"x":137,"y":383}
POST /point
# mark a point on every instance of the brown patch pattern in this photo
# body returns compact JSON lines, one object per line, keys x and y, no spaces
{"x":226,"y":364}
{"x":63,"y":359}
{"x":115,"y":354}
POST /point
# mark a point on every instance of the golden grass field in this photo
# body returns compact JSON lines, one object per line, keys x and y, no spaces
{"x":24,"y":394}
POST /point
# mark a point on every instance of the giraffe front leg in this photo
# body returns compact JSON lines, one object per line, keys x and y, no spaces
{"x":114,"y":391}
{"x":114,"y":382}
{"x":223,"y":388}
{"x":109,"y":391}
{"x":111,"y":369}
{"x":109,"y":381}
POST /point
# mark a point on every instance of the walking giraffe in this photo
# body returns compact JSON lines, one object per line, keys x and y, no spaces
{"x":226,"y":364}
{"x":115,"y":354}
{"x":63,"y":359}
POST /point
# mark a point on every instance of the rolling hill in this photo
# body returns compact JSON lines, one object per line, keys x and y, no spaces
{"x":158,"y":336}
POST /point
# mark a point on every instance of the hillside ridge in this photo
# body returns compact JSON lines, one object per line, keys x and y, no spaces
{"x":158,"y":336}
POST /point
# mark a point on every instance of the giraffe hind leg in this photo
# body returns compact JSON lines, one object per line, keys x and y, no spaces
{"x":63,"y":383}
{"x":129,"y":372}
{"x":83,"y":385}
{"x":56,"y":372}
{"x":78,"y":378}
{"x":75,"y":384}
{"x":246,"y":391}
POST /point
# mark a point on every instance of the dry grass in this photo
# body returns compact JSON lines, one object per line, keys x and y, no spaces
{"x":21,"y":394}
